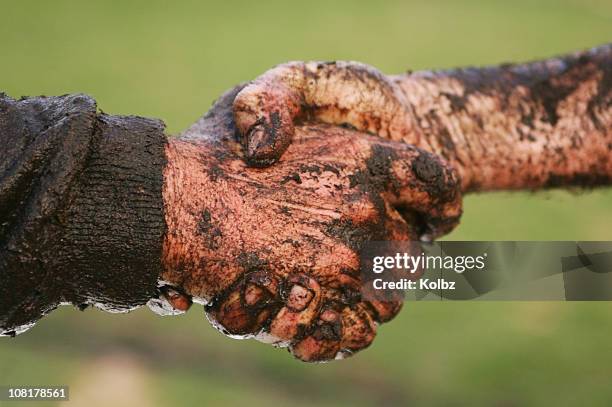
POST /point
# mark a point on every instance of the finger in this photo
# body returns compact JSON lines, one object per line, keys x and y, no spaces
{"x":384,"y":311}
{"x":247,"y":306}
{"x":341,"y":331}
{"x":339,"y":93}
{"x":170,"y":301}
{"x":384,"y":306}
{"x":178,"y":300}
{"x":264,"y":112}
{"x":302,"y":296}
{"x":324,"y":339}
{"x":418,"y":182}
{"x":359,"y":328}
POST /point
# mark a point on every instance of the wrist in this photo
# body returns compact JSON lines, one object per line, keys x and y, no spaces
{"x":115,"y":223}
{"x":185,"y":191}
{"x":174,"y":213}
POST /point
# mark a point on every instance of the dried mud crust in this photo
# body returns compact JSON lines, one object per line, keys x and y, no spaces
{"x":275,"y":252}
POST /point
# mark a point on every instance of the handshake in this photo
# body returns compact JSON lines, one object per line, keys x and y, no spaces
{"x":274,"y":252}
{"x":270,"y":197}
{"x":262,"y":208}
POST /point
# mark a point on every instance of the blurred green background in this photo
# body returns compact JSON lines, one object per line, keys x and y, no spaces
{"x":170,"y":60}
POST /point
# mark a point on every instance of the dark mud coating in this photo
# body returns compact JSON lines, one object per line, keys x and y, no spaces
{"x":81,"y":211}
{"x":543,"y":124}
{"x":513,"y":126}
{"x":285,"y":264}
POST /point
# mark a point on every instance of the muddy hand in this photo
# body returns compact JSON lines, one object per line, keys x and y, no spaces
{"x":342,"y":93}
{"x":531,"y":125}
{"x":275,"y":252}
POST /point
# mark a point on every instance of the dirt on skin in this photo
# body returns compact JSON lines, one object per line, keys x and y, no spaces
{"x":275,"y":251}
{"x":513,"y":126}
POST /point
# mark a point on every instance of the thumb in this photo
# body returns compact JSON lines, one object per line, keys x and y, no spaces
{"x":420,"y":185}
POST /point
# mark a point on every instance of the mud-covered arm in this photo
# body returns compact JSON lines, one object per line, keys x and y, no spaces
{"x":81,"y":210}
{"x":102,"y":210}
{"x":524,"y":126}
{"x":512,"y":126}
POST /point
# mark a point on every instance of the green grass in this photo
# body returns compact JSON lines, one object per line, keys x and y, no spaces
{"x":171,"y":59}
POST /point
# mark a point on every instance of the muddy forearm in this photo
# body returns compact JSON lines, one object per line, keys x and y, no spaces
{"x":527,"y":126}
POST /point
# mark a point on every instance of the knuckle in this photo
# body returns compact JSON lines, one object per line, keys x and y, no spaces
{"x":246,"y":307}
{"x":301,"y":296}
{"x":438,"y":179}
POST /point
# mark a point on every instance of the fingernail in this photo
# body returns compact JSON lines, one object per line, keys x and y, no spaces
{"x":255,"y":140}
{"x":260,"y":289}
